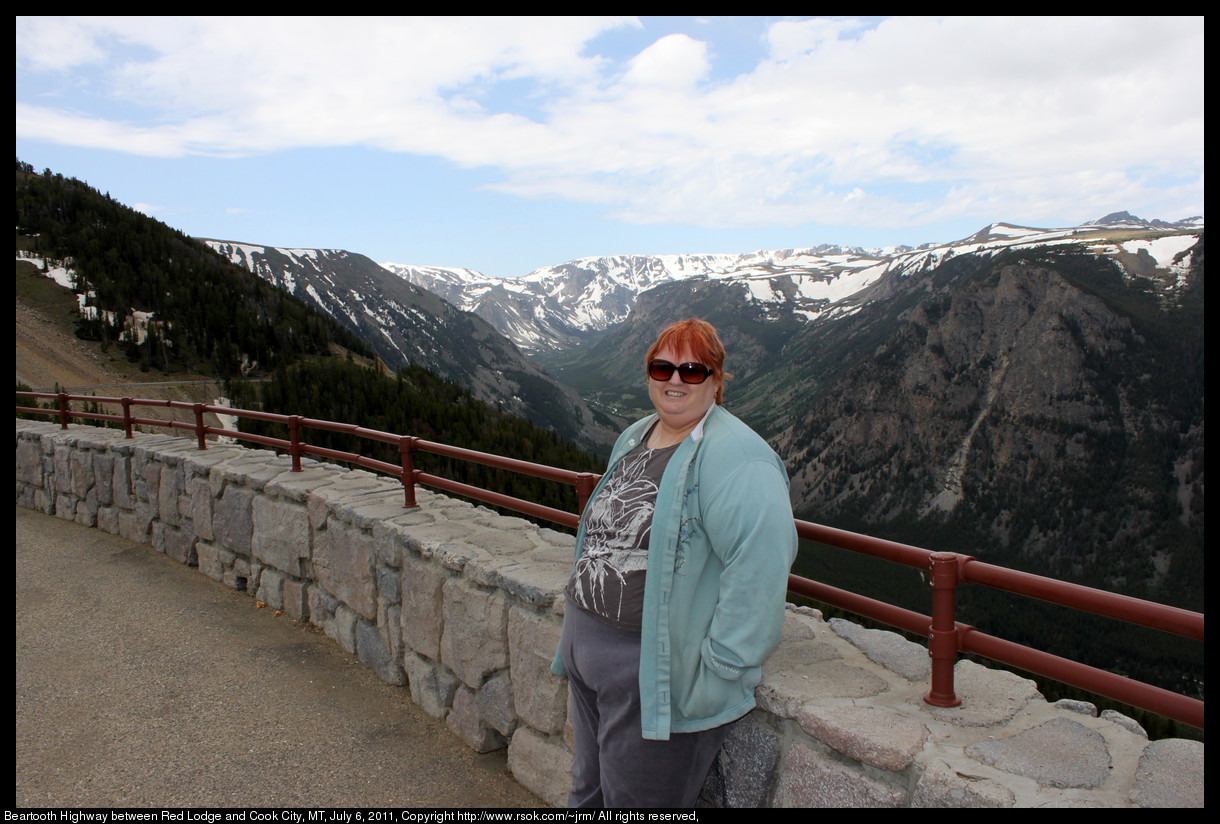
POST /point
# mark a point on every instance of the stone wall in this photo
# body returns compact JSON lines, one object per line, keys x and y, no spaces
{"x":462,"y":607}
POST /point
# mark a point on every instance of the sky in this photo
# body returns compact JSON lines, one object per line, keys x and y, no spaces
{"x":505,"y":145}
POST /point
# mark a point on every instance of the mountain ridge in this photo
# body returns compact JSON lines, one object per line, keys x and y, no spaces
{"x":557,"y":306}
{"x":406,"y":324}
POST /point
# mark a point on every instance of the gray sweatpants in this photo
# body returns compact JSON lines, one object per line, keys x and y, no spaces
{"x":615,"y":765}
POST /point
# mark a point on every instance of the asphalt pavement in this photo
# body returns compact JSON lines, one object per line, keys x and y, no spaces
{"x":142,"y":683}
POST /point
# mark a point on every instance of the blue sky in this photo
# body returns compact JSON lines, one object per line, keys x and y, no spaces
{"x":505,"y":145}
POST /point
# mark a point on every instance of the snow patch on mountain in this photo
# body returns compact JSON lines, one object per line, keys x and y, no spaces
{"x":555,"y":306}
{"x":1164,"y":250}
{"x":552,"y":306}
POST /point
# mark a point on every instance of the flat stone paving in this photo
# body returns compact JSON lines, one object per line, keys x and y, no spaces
{"x":141,"y":683}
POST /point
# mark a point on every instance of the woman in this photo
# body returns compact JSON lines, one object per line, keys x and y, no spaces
{"x":677,"y":594}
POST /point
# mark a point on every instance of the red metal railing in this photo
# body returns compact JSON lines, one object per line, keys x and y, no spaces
{"x":945,"y":570}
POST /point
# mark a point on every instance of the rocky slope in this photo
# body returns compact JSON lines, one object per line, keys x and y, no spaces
{"x":407,"y":324}
{"x":48,"y":353}
{"x":1040,"y":406}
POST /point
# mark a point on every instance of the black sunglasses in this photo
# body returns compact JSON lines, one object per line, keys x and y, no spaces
{"x":663,"y":370}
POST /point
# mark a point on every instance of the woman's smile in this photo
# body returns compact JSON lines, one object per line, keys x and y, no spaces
{"x":680,"y":405}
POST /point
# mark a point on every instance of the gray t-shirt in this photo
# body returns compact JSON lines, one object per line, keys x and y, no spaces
{"x":608,"y":579}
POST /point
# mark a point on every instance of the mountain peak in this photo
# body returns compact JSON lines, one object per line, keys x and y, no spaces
{"x":1116,"y":219}
{"x":1126,"y":219}
{"x":1001,"y":231}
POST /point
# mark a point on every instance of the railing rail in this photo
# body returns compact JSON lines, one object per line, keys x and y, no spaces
{"x":945,"y":570}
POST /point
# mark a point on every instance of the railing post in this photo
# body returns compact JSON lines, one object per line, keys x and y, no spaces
{"x":201,"y":431}
{"x":406,"y":446}
{"x":127,"y":417}
{"x":585,"y":482}
{"x":294,"y":441}
{"x":63,"y":410}
{"x":942,"y":637}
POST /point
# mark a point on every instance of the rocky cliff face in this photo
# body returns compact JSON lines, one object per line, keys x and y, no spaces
{"x":1039,"y":405}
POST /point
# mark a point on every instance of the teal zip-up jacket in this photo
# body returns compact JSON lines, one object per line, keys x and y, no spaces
{"x":722,"y":542}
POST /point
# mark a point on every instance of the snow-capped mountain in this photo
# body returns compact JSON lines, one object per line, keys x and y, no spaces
{"x":1130,"y":221}
{"x":553,"y":307}
{"x":459,"y":322}
{"x":407,"y":324}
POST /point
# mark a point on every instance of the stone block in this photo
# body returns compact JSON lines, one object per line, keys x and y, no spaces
{"x":942,"y":787}
{"x":1073,"y":705}
{"x":343,"y":565}
{"x":463,"y":720}
{"x":389,"y":539}
{"x":170,"y":486}
{"x":889,"y":649}
{"x":474,"y":641}
{"x":420,"y":584}
{"x":1057,"y":753}
{"x":878,"y":737}
{"x":103,"y":477}
{"x":232,"y":524}
{"x":82,"y":472}
{"x":62,"y":467}
{"x":210,"y":560}
{"x":271,"y":588}
{"x":120,"y":485}
{"x":321,"y":606}
{"x":342,"y":627}
{"x":86,"y":509}
{"x":65,"y":506}
{"x":1125,"y":721}
{"x":809,"y":778}
{"x":389,"y":624}
{"x":134,"y":525}
{"x":496,"y":703}
{"x":280,"y":534}
{"x":432,"y":686}
{"x":533,"y":582}
{"x":237,"y":573}
{"x":29,"y":462}
{"x":1170,"y":774}
{"x":389,"y":585}
{"x":296,"y":599}
{"x":44,"y":502}
{"x":200,"y":493}
{"x":805,"y":670}
{"x":741,"y":774}
{"x":146,"y":478}
{"x":376,"y":654}
{"x":542,"y":765}
{"x":541,"y":696}
{"x":108,"y":519}
{"x":175,"y":543}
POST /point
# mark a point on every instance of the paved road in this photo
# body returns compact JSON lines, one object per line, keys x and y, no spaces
{"x":142,"y":683}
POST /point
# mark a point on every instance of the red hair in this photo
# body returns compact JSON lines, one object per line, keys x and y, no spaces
{"x":699,"y":338}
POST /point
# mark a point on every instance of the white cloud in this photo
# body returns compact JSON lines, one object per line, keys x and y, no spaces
{"x":1015,"y":116}
{"x":56,"y":44}
{"x":674,"y":61}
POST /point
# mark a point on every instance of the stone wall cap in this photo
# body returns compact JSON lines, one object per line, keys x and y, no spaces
{"x":1170,"y":774}
{"x":1058,"y":753}
{"x":889,"y":649}
{"x":989,"y":697}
